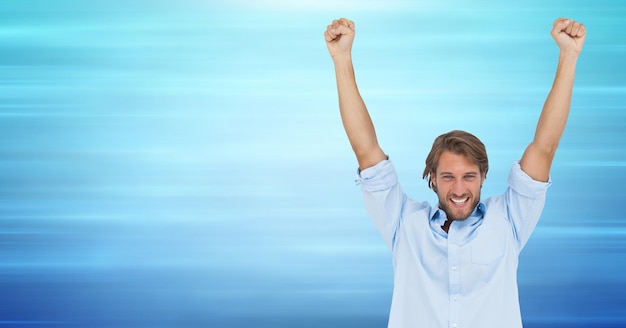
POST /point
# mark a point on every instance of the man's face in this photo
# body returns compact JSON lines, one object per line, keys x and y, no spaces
{"x":458,"y":183}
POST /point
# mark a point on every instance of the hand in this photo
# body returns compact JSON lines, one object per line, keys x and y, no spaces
{"x":569,"y":35}
{"x":339,"y":37}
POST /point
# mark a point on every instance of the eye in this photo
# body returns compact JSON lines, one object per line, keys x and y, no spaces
{"x":446,"y":177}
{"x":470,"y":177}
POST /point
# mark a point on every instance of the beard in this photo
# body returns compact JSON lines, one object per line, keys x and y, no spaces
{"x":455,"y":213}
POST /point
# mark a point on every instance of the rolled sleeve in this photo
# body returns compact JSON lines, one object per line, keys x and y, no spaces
{"x":378,"y":177}
{"x":383,"y":198}
{"x":523,"y":184}
{"x":525,"y":201}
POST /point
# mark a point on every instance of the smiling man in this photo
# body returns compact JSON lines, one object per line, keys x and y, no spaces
{"x":455,"y":265}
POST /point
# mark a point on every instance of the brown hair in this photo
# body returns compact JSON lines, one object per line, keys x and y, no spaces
{"x":460,"y":143}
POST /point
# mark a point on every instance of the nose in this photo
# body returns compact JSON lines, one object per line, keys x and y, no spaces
{"x":458,"y":188}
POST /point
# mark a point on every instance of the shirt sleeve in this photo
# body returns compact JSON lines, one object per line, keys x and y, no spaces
{"x":525,"y":199}
{"x":383,"y":198}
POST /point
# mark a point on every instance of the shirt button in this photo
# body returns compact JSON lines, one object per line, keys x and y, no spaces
{"x":454,"y":268}
{"x":454,"y":325}
{"x":455,"y":298}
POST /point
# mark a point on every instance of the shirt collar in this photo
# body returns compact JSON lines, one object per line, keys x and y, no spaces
{"x":438,"y":217}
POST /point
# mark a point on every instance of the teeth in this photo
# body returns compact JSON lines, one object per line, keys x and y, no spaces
{"x":459,"y":201}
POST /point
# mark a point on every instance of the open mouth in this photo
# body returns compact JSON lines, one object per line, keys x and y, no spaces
{"x":460,"y":202}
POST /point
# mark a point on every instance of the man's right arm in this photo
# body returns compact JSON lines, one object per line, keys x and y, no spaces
{"x":356,"y":120}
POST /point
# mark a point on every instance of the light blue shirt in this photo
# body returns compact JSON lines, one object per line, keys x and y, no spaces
{"x":466,"y":278}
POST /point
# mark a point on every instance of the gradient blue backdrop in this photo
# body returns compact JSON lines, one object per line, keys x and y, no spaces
{"x":183,"y":164}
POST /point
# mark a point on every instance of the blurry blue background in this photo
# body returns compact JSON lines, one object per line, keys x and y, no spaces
{"x":183,"y":164}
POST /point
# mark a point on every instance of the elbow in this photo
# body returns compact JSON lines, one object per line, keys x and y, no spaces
{"x":546,"y":149}
{"x":369,"y":156}
{"x":369,"y":150}
{"x":363,"y":151}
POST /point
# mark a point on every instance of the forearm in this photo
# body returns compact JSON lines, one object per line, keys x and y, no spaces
{"x":557,"y":106}
{"x":355,"y":117}
{"x":537,"y":158}
{"x":569,"y":35}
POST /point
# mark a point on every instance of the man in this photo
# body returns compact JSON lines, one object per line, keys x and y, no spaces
{"x":455,"y":265}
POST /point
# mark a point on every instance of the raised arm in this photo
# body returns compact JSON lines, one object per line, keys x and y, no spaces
{"x":537,"y":159}
{"x":356,"y":120}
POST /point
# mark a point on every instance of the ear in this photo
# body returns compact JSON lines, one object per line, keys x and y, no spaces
{"x":433,"y":179}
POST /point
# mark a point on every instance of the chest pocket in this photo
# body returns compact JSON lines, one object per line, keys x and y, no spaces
{"x":488,"y":247}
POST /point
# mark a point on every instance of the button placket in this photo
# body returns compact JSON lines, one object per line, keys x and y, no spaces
{"x":454,"y":282}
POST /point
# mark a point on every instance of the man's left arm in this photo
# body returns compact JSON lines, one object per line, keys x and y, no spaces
{"x":537,"y":159}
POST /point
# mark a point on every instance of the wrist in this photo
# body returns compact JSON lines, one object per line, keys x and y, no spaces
{"x":570,"y":55}
{"x":344,"y":58}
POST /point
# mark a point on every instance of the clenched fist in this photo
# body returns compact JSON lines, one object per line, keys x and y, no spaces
{"x":569,"y":35}
{"x":339,"y":37}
